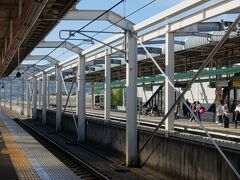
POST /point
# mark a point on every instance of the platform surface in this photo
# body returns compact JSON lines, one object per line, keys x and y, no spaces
{"x":182,"y":122}
{"x":29,"y":158}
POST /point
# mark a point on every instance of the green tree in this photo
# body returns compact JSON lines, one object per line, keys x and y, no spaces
{"x":117,"y":97}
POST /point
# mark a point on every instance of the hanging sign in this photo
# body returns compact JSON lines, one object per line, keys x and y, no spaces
{"x":236,"y":83}
{"x":221,"y":84}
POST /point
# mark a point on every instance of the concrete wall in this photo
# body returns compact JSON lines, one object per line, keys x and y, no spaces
{"x":173,"y":154}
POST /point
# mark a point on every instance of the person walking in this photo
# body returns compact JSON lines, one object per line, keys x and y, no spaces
{"x":184,"y":108}
{"x":193,"y":110}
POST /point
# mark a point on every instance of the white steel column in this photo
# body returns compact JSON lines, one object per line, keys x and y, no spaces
{"x":169,"y":70}
{"x":39,"y":93}
{"x":10,"y":94}
{"x":22,"y":97}
{"x":48,"y":93}
{"x":92,"y":97}
{"x":81,"y":98}
{"x":34,"y":99}
{"x":107,"y":85}
{"x":44,"y":97}
{"x":58,"y":98}
{"x":131,"y":87}
{"x":28,"y":97}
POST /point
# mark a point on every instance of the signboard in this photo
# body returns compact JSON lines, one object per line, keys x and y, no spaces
{"x":236,"y":83}
{"x":148,"y":87}
{"x":221,"y":84}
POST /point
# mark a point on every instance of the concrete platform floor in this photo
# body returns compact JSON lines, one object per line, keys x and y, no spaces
{"x":28,"y":157}
{"x":109,"y":162}
{"x":182,"y":122}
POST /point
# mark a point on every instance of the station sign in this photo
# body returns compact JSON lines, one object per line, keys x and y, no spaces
{"x":148,"y":87}
{"x":221,"y":84}
{"x":236,"y":83}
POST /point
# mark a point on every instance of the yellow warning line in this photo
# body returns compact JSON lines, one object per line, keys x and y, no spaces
{"x":20,"y":162}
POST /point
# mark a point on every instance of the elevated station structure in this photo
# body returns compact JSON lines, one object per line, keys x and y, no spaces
{"x":140,"y":50}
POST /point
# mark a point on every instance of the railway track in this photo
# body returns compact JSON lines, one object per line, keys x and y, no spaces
{"x":83,"y":170}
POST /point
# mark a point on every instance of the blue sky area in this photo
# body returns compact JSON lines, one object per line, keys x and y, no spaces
{"x":130,"y":6}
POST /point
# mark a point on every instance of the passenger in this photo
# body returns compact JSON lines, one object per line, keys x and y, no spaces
{"x":155,"y":110}
{"x":193,"y":107}
{"x":225,"y":116}
{"x":148,"y":110}
{"x":233,"y":106}
{"x":198,"y":107}
{"x":176,"y":113}
{"x":220,"y":109}
{"x":186,"y":112}
{"x":237,"y":113}
{"x":214,"y":111}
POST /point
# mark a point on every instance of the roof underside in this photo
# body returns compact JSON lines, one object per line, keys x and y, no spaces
{"x":185,"y":60}
{"x":9,"y":11}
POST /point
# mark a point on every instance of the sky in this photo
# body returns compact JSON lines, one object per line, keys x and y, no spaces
{"x":123,"y":9}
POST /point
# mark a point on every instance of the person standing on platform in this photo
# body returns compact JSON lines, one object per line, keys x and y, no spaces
{"x":220,"y":113}
{"x":186,"y":112}
{"x":233,"y":106}
{"x":198,"y":107}
{"x":176,"y":113}
{"x":225,"y":116}
{"x":237,"y":113}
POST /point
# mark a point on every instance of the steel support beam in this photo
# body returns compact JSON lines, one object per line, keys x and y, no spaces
{"x":58,"y":98}
{"x":48,"y":92}
{"x":53,"y":44}
{"x":28,"y":97}
{"x":39,"y":93}
{"x":92,"y":96}
{"x":110,"y":16}
{"x":81,"y":98}
{"x":22,"y":97}
{"x":168,"y":13}
{"x":169,"y":70}
{"x":34,"y":99}
{"x":44,"y":57}
{"x":107,"y":85}
{"x":10,"y":94}
{"x":44,"y":98}
{"x":131,"y":87}
{"x":200,"y":16}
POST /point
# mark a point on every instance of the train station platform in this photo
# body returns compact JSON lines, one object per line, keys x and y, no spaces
{"x":23,"y":157}
{"x":181,"y":124}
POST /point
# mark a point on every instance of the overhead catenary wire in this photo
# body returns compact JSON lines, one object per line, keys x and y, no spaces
{"x":101,"y":31}
{"x":75,"y":33}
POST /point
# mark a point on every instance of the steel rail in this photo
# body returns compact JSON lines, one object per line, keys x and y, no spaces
{"x":88,"y":167}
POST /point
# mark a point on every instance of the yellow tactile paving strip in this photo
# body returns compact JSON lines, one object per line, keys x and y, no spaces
{"x":20,"y":162}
